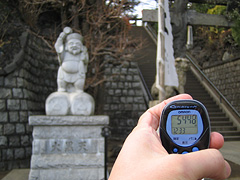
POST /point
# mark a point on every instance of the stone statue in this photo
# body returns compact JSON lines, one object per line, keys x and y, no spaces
{"x":73,"y":60}
{"x":182,"y":65}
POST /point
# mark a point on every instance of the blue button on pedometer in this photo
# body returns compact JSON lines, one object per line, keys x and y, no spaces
{"x":175,"y":150}
{"x":194,"y":149}
{"x":185,"y":127}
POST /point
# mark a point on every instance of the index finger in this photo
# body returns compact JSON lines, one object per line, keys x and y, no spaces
{"x":152,"y":115}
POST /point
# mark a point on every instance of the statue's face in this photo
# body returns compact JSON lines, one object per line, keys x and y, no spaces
{"x":74,"y":46}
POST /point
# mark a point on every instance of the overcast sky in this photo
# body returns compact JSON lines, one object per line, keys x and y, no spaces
{"x":145,"y":4}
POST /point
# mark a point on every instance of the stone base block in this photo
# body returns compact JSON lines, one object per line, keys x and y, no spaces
{"x":67,"y":147}
{"x":68,"y":174}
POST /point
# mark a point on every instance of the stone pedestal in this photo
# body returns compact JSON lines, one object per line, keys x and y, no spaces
{"x":67,"y":147}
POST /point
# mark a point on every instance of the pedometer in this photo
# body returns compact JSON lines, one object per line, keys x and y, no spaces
{"x":185,"y":127}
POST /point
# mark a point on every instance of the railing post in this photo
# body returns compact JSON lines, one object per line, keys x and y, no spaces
{"x":106,"y":133}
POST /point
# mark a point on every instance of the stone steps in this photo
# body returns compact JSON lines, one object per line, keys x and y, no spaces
{"x":218,"y":118}
{"x":224,"y":128}
{"x":219,"y":121}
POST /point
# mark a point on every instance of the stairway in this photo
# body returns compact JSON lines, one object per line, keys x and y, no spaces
{"x":219,"y":121}
{"x":146,"y":57}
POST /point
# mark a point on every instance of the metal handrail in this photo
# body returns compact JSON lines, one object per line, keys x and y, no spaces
{"x":152,"y":33}
{"x":221,"y":96}
{"x":145,"y":88}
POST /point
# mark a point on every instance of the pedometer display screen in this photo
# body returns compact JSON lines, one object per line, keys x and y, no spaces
{"x":184,"y":124}
{"x":184,"y":127}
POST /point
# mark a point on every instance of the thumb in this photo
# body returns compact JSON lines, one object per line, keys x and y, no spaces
{"x":207,"y":163}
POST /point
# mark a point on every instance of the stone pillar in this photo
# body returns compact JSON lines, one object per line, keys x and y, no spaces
{"x":67,"y":147}
{"x":189,"y":37}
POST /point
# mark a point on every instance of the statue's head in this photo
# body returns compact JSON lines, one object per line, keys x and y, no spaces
{"x":74,"y":43}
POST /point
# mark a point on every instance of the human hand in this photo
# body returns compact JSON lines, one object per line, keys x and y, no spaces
{"x":144,"y":158}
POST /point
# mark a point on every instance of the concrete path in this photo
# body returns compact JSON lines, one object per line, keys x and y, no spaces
{"x":17,"y":174}
{"x":231,"y":151}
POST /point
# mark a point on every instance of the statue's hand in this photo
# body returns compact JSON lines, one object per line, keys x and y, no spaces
{"x":62,"y":35}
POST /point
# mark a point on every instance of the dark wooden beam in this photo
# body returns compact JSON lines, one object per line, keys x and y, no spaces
{"x":216,"y":2}
{"x":150,"y":15}
{"x":193,"y":18}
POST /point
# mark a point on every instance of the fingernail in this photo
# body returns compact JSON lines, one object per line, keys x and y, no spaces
{"x":227,"y":169}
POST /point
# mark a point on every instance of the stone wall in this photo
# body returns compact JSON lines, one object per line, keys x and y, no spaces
{"x":24,"y":86}
{"x":123,"y":98}
{"x":226,"y":77}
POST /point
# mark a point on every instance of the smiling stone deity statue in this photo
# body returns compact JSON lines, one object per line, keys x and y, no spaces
{"x":73,"y":60}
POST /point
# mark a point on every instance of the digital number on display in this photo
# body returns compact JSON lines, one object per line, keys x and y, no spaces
{"x":184,"y":124}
